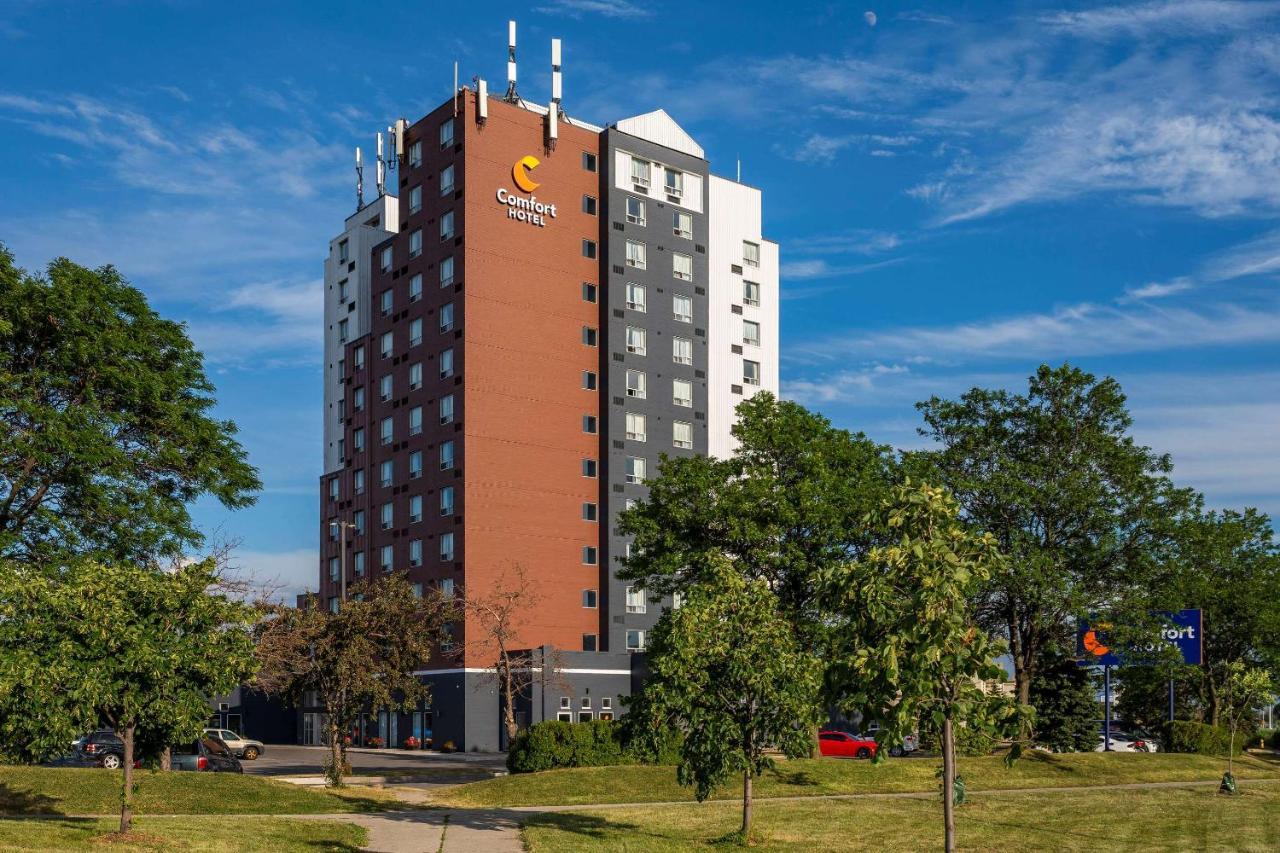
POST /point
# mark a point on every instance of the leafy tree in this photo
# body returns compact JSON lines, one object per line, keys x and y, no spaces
{"x":1065,"y":697}
{"x":788,"y":503}
{"x":359,"y":658}
{"x":107,"y":432}
{"x":906,"y":641}
{"x":1245,"y":689}
{"x":725,"y":668}
{"x":1142,"y":696}
{"x":132,"y":648}
{"x":1080,"y":509}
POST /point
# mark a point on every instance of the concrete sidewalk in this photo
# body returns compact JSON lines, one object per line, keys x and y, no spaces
{"x":435,"y":830}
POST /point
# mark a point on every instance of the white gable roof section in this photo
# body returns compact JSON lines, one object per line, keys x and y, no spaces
{"x":660,"y":128}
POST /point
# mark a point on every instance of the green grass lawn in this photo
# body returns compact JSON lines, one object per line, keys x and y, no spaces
{"x":1088,"y":821}
{"x":812,"y":777}
{"x":201,"y":834}
{"x":66,"y":790}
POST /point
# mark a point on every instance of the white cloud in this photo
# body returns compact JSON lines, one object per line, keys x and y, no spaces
{"x":819,"y":268}
{"x":605,"y":8}
{"x":1259,"y":256}
{"x":1157,"y":290}
{"x":1198,"y":17}
{"x":285,"y":573}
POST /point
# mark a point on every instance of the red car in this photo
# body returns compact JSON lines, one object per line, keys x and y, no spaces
{"x":845,"y":745}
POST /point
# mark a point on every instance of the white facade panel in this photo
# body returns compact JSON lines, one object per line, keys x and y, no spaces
{"x":690,"y":197}
{"x":734,"y":218}
{"x":660,"y":128}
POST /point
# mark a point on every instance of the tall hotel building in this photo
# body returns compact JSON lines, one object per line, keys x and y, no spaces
{"x":512,"y":342}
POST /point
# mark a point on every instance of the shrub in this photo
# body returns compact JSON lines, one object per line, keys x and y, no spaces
{"x":969,"y":742}
{"x":1201,"y":738}
{"x":1273,"y":738}
{"x":552,"y":744}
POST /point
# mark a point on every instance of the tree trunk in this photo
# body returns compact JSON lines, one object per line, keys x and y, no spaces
{"x":1215,"y":704}
{"x":126,"y":800}
{"x":166,"y":759}
{"x":948,"y":785}
{"x":509,"y":706}
{"x":335,"y":754}
{"x":746,"y":805}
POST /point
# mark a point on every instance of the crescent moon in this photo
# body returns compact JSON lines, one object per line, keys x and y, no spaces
{"x":1093,"y":644}
{"x":520,"y":173}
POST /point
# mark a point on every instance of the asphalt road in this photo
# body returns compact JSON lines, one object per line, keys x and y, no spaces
{"x":306,"y":760}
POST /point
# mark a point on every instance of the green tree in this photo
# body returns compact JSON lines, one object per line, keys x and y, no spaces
{"x":726,"y":670}
{"x":108,"y":433}
{"x":1244,"y":689}
{"x":906,"y":641}
{"x":362,"y":657}
{"x":1065,"y":697}
{"x":788,"y":503}
{"x":113,"y":644}
{"x":1081,"y":510}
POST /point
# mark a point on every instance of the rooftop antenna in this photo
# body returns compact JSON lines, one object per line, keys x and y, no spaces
{"x":739,"y":170}
{"x":359,"y":180}
{"x":402,"y":128}
{"x":553,"y":110}
{"x":511,"y":63}
{"x":382,"y":166}
{"x":393,"y":146}
{"x":482,"y":100}
{"x":455,"y":87}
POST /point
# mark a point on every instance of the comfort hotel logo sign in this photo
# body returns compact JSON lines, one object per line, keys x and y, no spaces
{"x":519,"y":207}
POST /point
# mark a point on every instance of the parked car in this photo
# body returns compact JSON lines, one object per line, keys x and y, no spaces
{"x":74,"y":758}
{"x":207,"y":754}
{"x":910,"y":743}
{"x":846,"y":744}
{"x":243,"y":747}
{"x":1126,"y":742}
{"x":104,"y":747}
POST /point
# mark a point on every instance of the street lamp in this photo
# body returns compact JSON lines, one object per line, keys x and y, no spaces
{"x":339,"y":528}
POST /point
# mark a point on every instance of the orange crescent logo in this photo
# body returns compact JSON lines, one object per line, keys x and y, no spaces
{"x":520,"y":173}
{"x":1093,"y":644}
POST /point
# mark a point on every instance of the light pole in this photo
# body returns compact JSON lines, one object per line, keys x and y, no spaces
{"x":340,"y":527}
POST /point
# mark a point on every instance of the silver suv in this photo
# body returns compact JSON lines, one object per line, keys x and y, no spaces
{"x":239,"y":746}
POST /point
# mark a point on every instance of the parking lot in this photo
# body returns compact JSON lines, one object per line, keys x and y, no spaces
{"x":285,"y":760}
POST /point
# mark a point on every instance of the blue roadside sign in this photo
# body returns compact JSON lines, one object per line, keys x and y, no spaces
{"x":1183,"y":629}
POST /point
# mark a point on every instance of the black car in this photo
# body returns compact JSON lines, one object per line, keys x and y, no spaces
{"x":104,"y":747}
{"x":207,"y":754}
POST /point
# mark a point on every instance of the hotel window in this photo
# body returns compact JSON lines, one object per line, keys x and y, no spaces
{"x":636,"y":296}
{"x":446,"y":409}
{"x":590,"y":599}
{"x":415,"y":508}
{"x":446,"y":455}
{"x":635,"y":641}
{"x":682,"y":266}
{"x":344,"y":288}
{"x":682,"y":350}
{"x":333,"y":569}
{"x":589,"y":424}
{"x":635,"y":211}
{"x":635,"y":600}
{"x":357,"y":482}
{"x":386,"y":259}
{"x":333,"y":604}
{"x":342,"y":330}
{"x":446,"y":271}
{"x":446,"y":133}
{"x":446,"y":587}
{"x":588,"y":555}
{"x":751,"y":332}
{"x":446,"y":546}
{"x":750,"y":293}
{"x":639,"y":172}
{"x":415,"y":464}
{"x":415,"y":376}
{"x":588,"y":512}
{"x":446,"y":317}
{"x":415,"y":199}
{"x":682,"y":392}
{"x":388,"y":344}
{"x":415,"y":243}
{"x":446,"y":363}
{"x":588,"y":248}
{"x":387,"y":560}
{"x":674,"y":182}
{"x":357,"y":439}
{"x":357,"y":561}
{"x":415,"y":287}
{"x":636,"y":429}
{"x":637,"y":255}
{"x":682,"y":307}
{"x":588,"y":380}
{"x":357,"y":399}
{"x":589,"y":468}
{"x":589,"y":642}
{"x":589,"y":205}
{"x":342,"y":453}
{"x":682,"y":225}
{"x":387,"y":301}
{"x":588,"y":292}
{"x":446,"y":180}
{"x":682,"y":434}
{"x":415,"y":154}
{"x":589,"y":336}
{"x":415,"y":332}
{"x":636,"y":340}
{"x":635,"y":469}
{"x":357,"y":357}
{"x":335,"y":488}
{"x":357,"y":521}
{"x":446,"y":225}
{"x":415,"y":421}
{"x":750,"y":253}
{"x":388,"y":515}
{"x":446,"y":500}
{"x":588,"y":161}
{"x":343,"y":249}
{"x":386,"y":473}
{"x":415,"y":559}
{"x":384,"y":388}
{"x":636,"y":384}
{"x":750,"y":372}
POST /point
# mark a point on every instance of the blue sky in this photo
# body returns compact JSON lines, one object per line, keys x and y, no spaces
{"x":960,"y":190}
